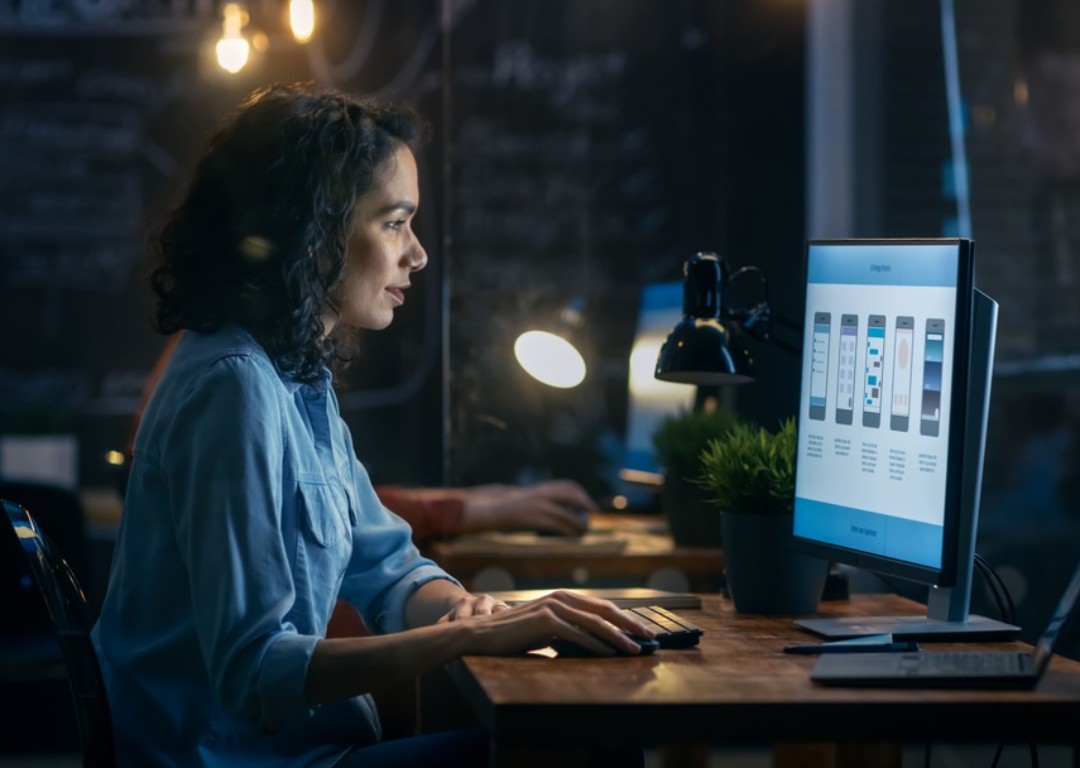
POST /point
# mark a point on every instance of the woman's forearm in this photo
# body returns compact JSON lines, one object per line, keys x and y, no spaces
{"x":433,"y":600}
{"x":344,"y":667}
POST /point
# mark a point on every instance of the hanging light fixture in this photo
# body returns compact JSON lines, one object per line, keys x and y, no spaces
{"x":302,"y":19}
{"x":233,"y":49}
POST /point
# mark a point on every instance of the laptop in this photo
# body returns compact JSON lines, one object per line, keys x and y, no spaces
{"x":951,"y":669}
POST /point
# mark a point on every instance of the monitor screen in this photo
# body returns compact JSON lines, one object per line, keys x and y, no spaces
{"x":881,"y":412}
{"x":650,"y":400}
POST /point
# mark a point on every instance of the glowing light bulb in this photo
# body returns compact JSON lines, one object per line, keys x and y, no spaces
{"x":550,"y":359}
{"x":302,"y":19}
{"x":232,"y":53}
{"x":232,"y":49}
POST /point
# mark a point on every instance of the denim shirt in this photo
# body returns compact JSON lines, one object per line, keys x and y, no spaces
{"x":247,"y":515}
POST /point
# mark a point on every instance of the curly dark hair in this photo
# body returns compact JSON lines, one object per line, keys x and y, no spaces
{"x":259,"y":237}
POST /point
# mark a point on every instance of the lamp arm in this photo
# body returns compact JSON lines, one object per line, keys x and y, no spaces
{"x":756,"y":320}
{"x":751,"y":269}
{"x":758,"y":323}
{"x":760,"y":314}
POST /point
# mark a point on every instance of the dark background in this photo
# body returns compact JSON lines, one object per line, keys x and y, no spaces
{"x":579,"y":150}
{"x":101,"y":122}
{"x":596,"y":146}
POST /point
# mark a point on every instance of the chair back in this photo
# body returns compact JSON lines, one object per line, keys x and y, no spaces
{"x":59,"y":514}
{"x":66,"y":604}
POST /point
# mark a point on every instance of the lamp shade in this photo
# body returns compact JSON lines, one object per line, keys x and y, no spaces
{"x":551,"y":351}
{"x":550,"y":358}
{"x":705,"y":347}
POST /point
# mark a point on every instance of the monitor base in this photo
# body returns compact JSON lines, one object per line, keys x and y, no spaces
{"x":975,"y":629}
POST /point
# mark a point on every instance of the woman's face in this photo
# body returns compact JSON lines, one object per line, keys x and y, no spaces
{"x":382,"y":251}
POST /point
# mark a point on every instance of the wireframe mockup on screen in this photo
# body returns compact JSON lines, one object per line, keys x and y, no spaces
{"x":895,"y":385}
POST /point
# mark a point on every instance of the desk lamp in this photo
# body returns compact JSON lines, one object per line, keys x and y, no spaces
{"x":706,"y":347}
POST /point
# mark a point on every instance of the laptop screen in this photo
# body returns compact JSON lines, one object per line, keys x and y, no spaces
{"x":1064,"y":610}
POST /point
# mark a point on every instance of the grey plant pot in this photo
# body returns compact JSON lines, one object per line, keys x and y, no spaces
{"x":764,"y":575}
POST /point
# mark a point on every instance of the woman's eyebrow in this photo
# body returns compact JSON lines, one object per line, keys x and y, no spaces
{"x":400,"y":205}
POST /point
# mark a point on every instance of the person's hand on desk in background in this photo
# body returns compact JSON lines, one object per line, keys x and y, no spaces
{"x":557,"y":506}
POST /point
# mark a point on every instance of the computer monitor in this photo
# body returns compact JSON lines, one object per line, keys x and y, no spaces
{"x":892,"y":417}
{"x":650,"y":400}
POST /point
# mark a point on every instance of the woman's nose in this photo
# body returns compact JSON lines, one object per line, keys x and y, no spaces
{"x":417,"y":256}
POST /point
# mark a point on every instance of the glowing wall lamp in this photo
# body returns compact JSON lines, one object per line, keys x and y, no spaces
{"x":549,"y":356}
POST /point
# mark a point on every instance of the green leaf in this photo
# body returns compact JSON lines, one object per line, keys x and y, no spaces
{"x":750,"y":469}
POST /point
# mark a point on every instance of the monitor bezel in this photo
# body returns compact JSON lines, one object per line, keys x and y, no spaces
{"x":946,"y":575}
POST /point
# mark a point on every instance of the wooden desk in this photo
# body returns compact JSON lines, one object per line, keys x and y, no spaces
{"x":622,"y":550}
{"x":739,"y":688}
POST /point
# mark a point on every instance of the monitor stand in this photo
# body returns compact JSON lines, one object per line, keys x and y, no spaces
{"x":935,"y":626}
{"x":947,"y":610}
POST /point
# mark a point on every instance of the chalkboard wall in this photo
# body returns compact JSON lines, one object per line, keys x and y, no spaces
{"x":595,"y":147}
{"x":579,"y":149}
{"x":94,"y":130}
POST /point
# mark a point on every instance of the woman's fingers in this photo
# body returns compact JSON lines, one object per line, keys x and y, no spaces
{"x":545,"y":623}
{"x":590,"y":622}
{"x":604,"y":609}
{"x":596,"y":625}
{"x":474,"y":605}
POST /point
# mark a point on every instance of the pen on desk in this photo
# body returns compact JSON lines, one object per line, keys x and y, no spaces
{"x":898,"y":646}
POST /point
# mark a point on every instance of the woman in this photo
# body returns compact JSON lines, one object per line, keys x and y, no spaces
{"x":247,"y":514}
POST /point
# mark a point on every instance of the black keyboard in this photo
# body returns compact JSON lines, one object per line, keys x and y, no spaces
{"x":672,"y":630}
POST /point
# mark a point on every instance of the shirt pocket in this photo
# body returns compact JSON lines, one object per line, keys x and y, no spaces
{"x":324,"y":509}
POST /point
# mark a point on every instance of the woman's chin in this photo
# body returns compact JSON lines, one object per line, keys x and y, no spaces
{"x":379,"y":323}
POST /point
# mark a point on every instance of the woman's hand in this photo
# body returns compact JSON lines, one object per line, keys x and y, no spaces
{"x":596,"y":625}
{"x":475,"y":624}
{"x":471,"y":605}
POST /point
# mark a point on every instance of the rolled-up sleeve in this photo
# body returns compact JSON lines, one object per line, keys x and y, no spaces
{"x":386,"y":568}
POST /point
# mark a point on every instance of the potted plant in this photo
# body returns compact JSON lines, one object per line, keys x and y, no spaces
{"x":750,"y":475}
{"x":679,"y":442}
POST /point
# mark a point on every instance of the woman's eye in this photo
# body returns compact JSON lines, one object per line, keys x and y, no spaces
{"x":396,"y":224}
